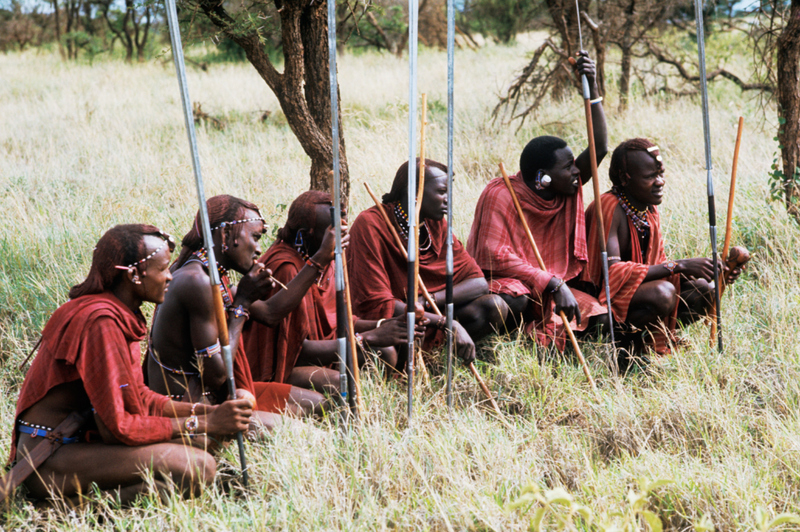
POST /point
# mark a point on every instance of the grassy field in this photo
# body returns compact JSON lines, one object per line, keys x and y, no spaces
{"x":85,"y":147}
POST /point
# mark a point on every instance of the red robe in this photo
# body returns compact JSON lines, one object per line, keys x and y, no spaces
{"x":95,"y":339}
{"x":379,"y":271}
{"x":501,"y":248}
{"x":626,"y":277}
{"x":273,"y":351}
{"x":270,"y":396}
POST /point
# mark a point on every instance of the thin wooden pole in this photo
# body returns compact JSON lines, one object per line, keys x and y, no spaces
{"x":728,"y":223}
{"x":432,"y":303}
{"x":352,"y":338}
{"x":540,"y":261}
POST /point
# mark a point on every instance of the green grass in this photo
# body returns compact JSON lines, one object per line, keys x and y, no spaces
{"x":84,"y":147}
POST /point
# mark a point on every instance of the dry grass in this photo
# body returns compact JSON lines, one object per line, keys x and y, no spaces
{"x":84,"y":147}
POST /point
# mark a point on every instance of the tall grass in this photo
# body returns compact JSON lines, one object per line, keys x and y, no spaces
{"x":86,"y":147}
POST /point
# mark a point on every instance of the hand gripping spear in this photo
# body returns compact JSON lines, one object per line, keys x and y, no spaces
{"x":411,"y":298}
{"x":451,"y":37}
{"x":712,"y":215}
{"x":219,"y":308}
{"x":601,"y":232}
{"x":540,"y":261}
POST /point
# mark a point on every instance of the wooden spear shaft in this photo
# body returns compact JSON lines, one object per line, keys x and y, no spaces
{"x":420,"y":194}
{"x":543,"y":268}
{"x":728,"y":223}
{"x":430,"y":300}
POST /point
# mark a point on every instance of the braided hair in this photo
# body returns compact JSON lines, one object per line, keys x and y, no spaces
{"x":222,"y":208}
{"x":619,"y":159}
{"x":119,"y":246}
{"x":303,"y":214}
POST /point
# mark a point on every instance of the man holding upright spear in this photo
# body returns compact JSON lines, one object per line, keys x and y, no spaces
{"x":549,"y":186}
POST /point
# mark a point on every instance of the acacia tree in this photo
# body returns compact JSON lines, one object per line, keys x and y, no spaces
{"x":303,"y":88}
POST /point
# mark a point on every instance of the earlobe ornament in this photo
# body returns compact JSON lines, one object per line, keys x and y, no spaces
{"x":542,"y":180}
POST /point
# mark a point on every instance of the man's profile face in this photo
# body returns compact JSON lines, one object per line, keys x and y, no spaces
{"x":645,"y":185}
{"x":244,"y":245}
{"x":434,"y":199}
{"x":155,"y":275}
{"x":566,"y":177}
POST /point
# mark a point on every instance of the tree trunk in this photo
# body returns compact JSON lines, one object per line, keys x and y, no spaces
{"x":788,"y":61}
{"x":303,"y":88}
{"x":626,"y":47}
{"x":58,"y":30}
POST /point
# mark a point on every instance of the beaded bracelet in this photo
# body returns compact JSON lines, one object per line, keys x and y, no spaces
{"x":239,"y":312}
{"x":596,"y":100}
{"x":314,"y":264}
{"x":558,"y":286}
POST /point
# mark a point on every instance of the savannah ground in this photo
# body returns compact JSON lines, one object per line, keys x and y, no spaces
{"x":86,"y":147}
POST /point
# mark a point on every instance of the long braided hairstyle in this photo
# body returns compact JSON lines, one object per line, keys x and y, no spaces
{"x":119,"y":246}
{"x":222,"y":208}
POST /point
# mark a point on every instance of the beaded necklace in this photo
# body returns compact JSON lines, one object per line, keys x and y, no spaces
{"x":202,"y":256}
{"x":639,"y":218}
{"x":402,"y":220}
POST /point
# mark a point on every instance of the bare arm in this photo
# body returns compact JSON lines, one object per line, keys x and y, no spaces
{"x":586,"y":66}
{"x":464,"y":292}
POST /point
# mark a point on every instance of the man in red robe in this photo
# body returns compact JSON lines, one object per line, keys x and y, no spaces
{"x":89,"y":362}
{"x":549,"y":189}
{"x":379,"y":274}
{"x":302,"y":347}
{"x":184,"y":352}
{"x":648,"y":292}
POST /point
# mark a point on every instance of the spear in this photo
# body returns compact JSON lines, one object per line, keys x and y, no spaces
{"x":601,"y":232}
{"x":342,"y":326}
{"x":543,"y":268}
{"x":219,"y":307}
{"x":411,"y":296}
{"x":451,"y":37}
{"x":712,"y":215}
{"x":430,"y":300}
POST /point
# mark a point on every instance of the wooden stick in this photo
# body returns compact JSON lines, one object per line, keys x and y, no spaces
{"x":352,"y":337}
{"x":432,"y":303}
{"x":420,"y":194}
{"x":728,"y":223}
{"x":543,"y":268}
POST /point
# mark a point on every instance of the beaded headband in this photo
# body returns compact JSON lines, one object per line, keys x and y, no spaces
{"x":169,"y":240}
{"x":244,"y":221}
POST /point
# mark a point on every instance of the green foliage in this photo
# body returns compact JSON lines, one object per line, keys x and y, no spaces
{"x":556,"y":509}
{"x":501,"y":20}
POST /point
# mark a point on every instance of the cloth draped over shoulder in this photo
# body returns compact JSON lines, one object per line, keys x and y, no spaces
{"x":273,"y":351}
{"x":96,"y":339}
{"x":501,"y":248}
{"x":379,"y":272}
{"x":625,"y":277}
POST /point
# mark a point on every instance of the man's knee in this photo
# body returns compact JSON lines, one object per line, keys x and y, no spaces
{"x":665,"y":298}
{"x":514,"y":304}
{"x":495,"y":308}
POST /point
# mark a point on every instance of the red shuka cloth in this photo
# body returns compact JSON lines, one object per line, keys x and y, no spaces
{"x":95,"y":339}
{"x":501,"y":248}
{"x":270,"y":396}
{"x":273,"y":351}
{"x":626,"y":277}
{"x":379,"y":271}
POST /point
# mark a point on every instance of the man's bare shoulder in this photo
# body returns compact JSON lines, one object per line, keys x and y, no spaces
{"x":191,"y":285}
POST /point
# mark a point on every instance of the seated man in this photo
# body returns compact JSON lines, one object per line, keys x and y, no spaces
{"x":549,"y":189}
{"x":378,"y":269}
{"x":648,"y":291}
{"x":302,"y":347}
{"x":88,"y":363}
{"x":184,"y":345}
